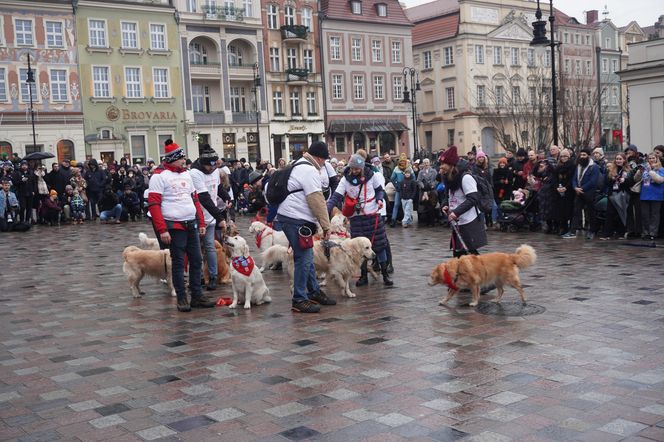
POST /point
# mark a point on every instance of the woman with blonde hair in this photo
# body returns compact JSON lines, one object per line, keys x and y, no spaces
{"x":617,"y":184}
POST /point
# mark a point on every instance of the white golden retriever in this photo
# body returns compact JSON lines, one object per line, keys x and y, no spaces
{"x":147,"y":243}
{"x":248,"y":284}
{"x":139,"y":263}
{"x":266,"y":237}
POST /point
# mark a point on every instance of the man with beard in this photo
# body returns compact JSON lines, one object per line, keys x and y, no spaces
{"x":584,"y":182}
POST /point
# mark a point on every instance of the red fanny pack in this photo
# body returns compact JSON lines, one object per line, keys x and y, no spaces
{"x":305,"y":237}
{"x":349,"y":207}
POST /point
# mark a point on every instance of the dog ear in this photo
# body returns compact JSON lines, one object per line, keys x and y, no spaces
{"x":245,"y":250}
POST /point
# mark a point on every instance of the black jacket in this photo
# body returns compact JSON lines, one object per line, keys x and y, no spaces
{"x":25,"y":183}
{"x":108,"y":201}
{"x":408,"y":188}
{"x":96,"y":178}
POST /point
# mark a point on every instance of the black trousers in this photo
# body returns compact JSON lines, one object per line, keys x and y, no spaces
{"x":186,"y":242}
{"x":613,"y":223}
{"x":584,"y":203}
{"x":25,"y":211}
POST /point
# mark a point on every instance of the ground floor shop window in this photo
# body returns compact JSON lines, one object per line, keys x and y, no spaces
{"x":340,"y":144}
{"x":297,"y":144}
{"x":387,"y":143}
{"x":138,"y":149}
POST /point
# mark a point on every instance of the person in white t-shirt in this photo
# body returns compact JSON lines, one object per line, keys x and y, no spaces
{"x":178,"y":218}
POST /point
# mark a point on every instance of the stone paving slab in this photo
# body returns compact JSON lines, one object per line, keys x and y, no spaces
{"x":80,"y":359}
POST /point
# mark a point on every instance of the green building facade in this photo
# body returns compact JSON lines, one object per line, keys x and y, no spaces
{"x":131,"y":80}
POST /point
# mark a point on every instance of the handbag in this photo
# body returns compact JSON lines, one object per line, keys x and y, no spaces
{"x":351,"y":204}
{"x":636,"y":188}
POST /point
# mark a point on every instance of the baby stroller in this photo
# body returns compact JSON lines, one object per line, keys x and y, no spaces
{"x":515,"y":215}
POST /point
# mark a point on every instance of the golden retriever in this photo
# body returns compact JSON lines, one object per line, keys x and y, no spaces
{"x":246,"y":288}
{"x":475,"y":271}
{"x":139,"y":263}
{"x":147,"y":243}
{"x":223,"y":270}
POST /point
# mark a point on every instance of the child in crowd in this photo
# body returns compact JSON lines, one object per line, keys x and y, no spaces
{"x":77,"y":205}
{"x":408,"y":192}
{"x":51,"y":209}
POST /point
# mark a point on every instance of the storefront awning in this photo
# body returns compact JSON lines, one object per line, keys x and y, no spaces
{"x":366,"y":125}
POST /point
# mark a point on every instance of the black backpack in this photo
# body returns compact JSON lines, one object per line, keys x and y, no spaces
{"x":485,"y":192}
{"x":277,"y":189}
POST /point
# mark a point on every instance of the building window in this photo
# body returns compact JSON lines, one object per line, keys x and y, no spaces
{"x":500,"y":96}
{"x":133,"y":82}
{"x":588,"y":40}
{"x":356,"y":7}
{"x":481,"y":95}
{"x":160,"y":80}
{"x":567,"y":66}
{"x":396,"y":52}
{"x":589,"y":69}
{"x":138,"y":149}
{"x":191,"y":5}
{"x":340,"y":144}
{"x":289,"y":15}
{"x":248,"y":8}
{"x":307,"y":18}
{"x":59,"y":85}
{"x":379,"y":87}
{"x":449,"y":95}
{"x":337,"y":87}
{"x":54,"y":36}
{"x":308,"y":57}
{"x":129,"y":35}
{"x":274,"y":59}
{"x":427,"y":59}
{"x":397,"y":88}
{"x":238,"y":103}
{"x":479,"y":54}
{"x":497,"y":55}
{"x":158,"y":37}
{"x":197,"y":54}
{"x":547,"y":59}
{"x":614,"y":65}
{"x":515,"y":57}
{"x":23,"y":31}
{"x":234,"y":56}
{"x":578,"y":67}
{"x":335,"y":48}
{"x":200,"y":98}
{"x":516,"y":95}
{"x":376,"y":51}
{"x":356,"y":49}
{"x":101,"y":85}
{"x":291,"y":57}
{"x":25,"y":91}
{"x":381,"y":9}
{"x":448,"y":55}
{"x":576,"y":39}
{"x":358,"y":87}
{"x":272,"y":17}
{"x":532,"y":96}
{"x":566,"y":38}
{"x":295,"y":103}
{"x":3,"y":84}
{"x":97,"y":30}
{"x":607,"y":43}
{"x":450,"y":137}
{"x":278,"y":102}
{"x":311,"y":103}
{"x":531,"y":57}
{"x":605,"y":65}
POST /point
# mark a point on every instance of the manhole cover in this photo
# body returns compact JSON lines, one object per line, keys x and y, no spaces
{"x":509,"y":308}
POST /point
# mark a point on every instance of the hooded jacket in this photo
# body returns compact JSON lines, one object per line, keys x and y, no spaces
{"x":96,"y":178}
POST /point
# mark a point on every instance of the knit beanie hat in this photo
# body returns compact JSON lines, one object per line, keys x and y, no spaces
{"x":208,"y":156}
{"x":53,"y":193}
{"x":503,"y":161}
{"x":173,"y":153}
{"x":356,"y":161}
{"x":480,"y":153}
{"x":599,"y":150}
{"x":450,"y":156}
{"x":521,"y":152}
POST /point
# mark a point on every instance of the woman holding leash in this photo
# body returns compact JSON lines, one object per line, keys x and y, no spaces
{"x":361,"y":196}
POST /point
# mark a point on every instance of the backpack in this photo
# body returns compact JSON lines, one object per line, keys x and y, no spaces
{"x":485,"y":192}
{"x":277,"y":190}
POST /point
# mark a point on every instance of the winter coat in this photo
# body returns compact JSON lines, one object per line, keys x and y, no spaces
{"x":547,"y":194}
{"x":129,"y":199}
{"x":564,"y":205}
{"x":25,"y":183}
{"x":50,"y":206}
{"x":7,"y":200}
{"x":426,"y":179}
{"x":519,"y":181}
{"x":502,"y":184}
{"x":108,"y":201}
{"x":62,"y":179}
{"x":408,"y":188}
{"x":96,"y":178}
{"x":587,"y":180}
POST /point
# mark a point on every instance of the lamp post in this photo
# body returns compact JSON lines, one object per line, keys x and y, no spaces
{"x":257,"y":84}
{"x":414,"y":87}
{"x":31,"y":82}
{"x":539,"y":39}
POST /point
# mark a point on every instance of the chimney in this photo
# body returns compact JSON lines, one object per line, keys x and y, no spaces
{"x":592,"y":16}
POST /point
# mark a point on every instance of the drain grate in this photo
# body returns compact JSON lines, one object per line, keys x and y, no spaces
{"x":509,"y":308}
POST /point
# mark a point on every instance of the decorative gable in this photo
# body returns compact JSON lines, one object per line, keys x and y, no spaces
{"x":514,"y":30}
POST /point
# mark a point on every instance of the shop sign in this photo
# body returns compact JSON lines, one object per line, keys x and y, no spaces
{"x":294,"y":128}
{"x":114,"y":114}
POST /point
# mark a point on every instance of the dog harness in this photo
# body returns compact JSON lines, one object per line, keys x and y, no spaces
{"x":448,"y":280}
{"x":260,"y":235}
{"x":243,"y":264}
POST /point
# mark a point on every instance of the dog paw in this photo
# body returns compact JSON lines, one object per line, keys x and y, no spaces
{"x":247,"y":306}
{"x":473,"y":304}
{"x":174,"y":295}
{"x":234,"y":305}
{"x":351,"y":295}
{"x":442,"y":303}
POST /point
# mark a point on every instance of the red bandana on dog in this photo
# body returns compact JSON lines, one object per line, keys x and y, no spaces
{"x":259,"y":237}
{"x":244,"y":265}
{"x":448,"y":280}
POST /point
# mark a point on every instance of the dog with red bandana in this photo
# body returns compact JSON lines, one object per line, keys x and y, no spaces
{"x":246,"y":278}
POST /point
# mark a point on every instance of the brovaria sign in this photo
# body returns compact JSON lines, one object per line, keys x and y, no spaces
{"x":114,"y":114}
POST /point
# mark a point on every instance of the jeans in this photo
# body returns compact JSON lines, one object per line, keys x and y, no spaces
{"x":650,"y":217}
{"x":114,"y":213}
{"x":304,"y":272}
{"x":407,"y":212}
{"x":397,"y":204}
{"x":186,"y":242}
{"x":210,"y":251}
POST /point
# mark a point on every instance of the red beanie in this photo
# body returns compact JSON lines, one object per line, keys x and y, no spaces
{"x":173,"y":152}
{"x":450,"y":156}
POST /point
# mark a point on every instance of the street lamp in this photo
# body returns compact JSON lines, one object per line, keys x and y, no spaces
{"x":257,"y":84}
{"x":31,"y":82}
{"x":414,"y":87}
{"x":539,"y":39}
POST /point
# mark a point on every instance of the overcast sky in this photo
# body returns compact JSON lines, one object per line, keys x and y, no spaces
{"x":621,"y":12}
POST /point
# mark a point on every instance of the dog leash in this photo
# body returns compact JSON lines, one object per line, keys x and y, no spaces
{"x":455,"y":227}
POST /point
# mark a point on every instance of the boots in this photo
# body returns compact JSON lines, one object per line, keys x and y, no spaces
{"x":364,"y":280}
{"x":390,"y":269}
{"x":386,"y":276}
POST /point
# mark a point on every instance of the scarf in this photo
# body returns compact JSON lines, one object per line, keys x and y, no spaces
{"x":243,"y":264}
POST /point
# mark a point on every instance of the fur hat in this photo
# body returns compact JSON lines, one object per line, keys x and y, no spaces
{"x":450,"y":156}
{"x":356,"y":161}
{"x":173,"y":153}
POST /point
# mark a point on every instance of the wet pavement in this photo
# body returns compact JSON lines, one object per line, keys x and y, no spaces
{"x":80,"y":359}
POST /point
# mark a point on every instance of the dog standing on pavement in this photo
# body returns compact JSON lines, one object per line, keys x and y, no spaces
{"x":139,"y":263}
{"x":248,"y":284}
{"x":223,"y":270}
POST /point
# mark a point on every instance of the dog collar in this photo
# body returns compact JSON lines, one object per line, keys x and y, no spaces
{"x":448,"y":280}
{"x":243,"y":264}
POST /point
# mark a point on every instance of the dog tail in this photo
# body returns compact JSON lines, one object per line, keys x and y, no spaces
{"x":127,"y":251}
{"x":275,"y":254}
{"x":525,"y":256}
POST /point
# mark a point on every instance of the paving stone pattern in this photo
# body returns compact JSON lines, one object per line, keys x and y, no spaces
{"x":81,"y":360}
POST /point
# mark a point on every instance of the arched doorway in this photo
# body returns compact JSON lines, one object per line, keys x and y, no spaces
{"x":359,"y":141}
{"x":65,"y":150}
{"x":387,"y":142}
{"x":6,"y":148}
{"x":488,"y":140}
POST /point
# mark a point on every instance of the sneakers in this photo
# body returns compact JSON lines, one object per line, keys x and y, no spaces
{"x":322,"y":299}
{"x":201,"y":302}
{"x":184,"y":307}
{"x":305,"y":306}
{"x":604,"y":238}
{"x":569,"y":235}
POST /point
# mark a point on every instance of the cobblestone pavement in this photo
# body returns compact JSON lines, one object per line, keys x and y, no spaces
{"x":80,"y":359}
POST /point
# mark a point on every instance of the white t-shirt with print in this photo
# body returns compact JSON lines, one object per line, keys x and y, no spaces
{"x":468,"y":185}
{"x":206,"y":182}
{"x":367,"y":193}
{"x":326,"y":172}
{"x":175,"y":190}
{"x":295,"y":205}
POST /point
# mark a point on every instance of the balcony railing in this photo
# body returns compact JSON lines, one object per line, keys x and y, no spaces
{"x":244,"y":117}
{"x":209,"y":118}
{"x":294,"y":31}
{"x":241,"y":66}
{"x":226,"y":13}
{"x":199,"y":69}
{"x":297,"y":74}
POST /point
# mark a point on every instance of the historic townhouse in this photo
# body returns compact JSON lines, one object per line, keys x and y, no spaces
{"x":294,"y":87}
{"x":224,"y":76}
{"x":130,"y":75}
{"x":44,"y":31}
{"x":365,"y":48}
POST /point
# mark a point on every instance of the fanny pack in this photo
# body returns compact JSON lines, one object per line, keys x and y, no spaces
{"x":352,"y":205}
{"x":305,"y":236}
